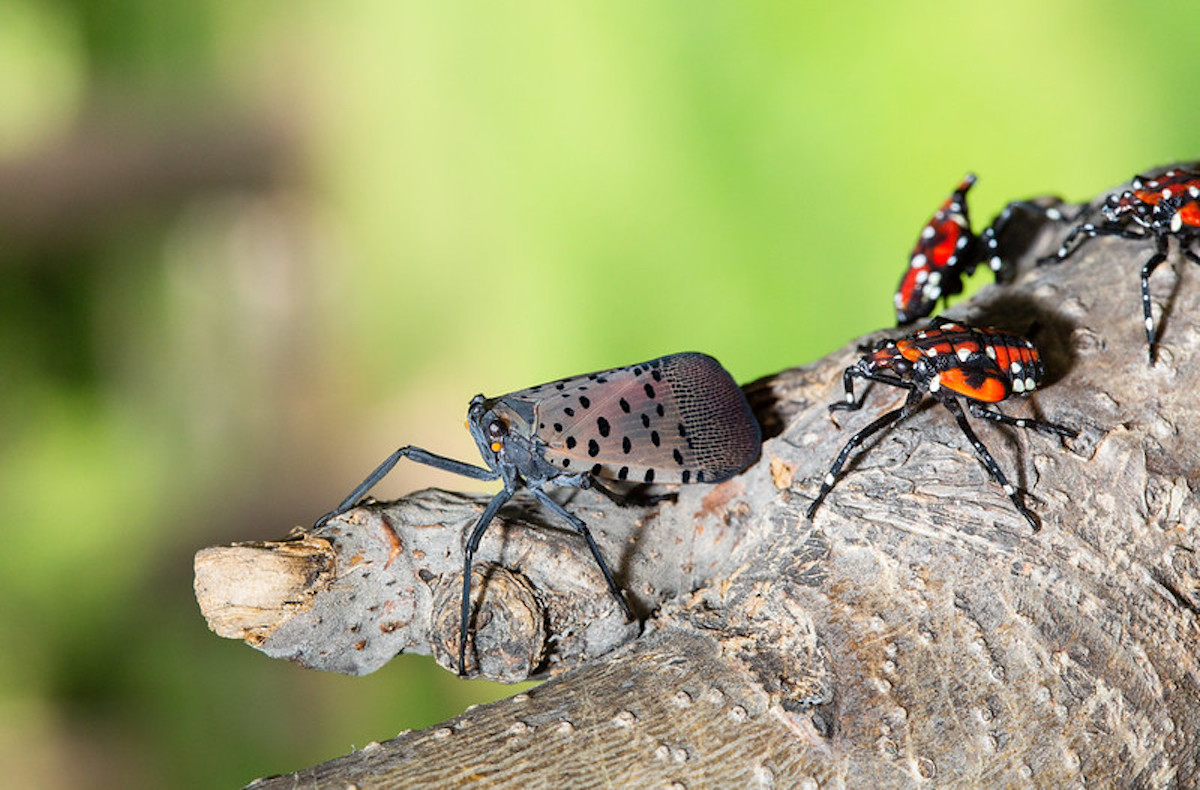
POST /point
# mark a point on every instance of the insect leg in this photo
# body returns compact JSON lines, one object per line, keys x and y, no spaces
{"x":1021,"y":422}
{"x":850,"y":404}
{"x":1090,"y":231}
{"x":989,"y":462}
{"x":914,"y":397}
{"x":577,"y":523}
{"x":624,"y":499}
{"x":1158,"y":257}
{"x":1065,"y":250}
{"x":489,"y":513}
{"x":416,"y":454}
{"x":996,"y":245}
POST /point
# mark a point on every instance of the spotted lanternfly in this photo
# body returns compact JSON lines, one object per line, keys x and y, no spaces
{"x":1154,"y":207}
{"x":949,"y":360}
{"x":676,"y":419}
{"x":947,"y":250}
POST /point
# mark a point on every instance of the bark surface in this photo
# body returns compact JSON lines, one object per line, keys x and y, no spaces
{"x":917,"y":632}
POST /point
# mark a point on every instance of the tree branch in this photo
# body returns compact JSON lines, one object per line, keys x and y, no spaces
{"x":917,"y":629}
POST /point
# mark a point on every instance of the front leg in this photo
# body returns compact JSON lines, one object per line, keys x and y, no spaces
{"x":417,"y":454}
{"x":914,"y":397}
{"x":1090,"y":231}
{"x":850,"y":404}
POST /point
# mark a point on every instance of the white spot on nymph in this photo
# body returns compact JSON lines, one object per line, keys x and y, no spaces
{"x":1016,"y":367}
{"x":1176,"y":222}
{"x":991,"y":351}
{"x":1194,"y":191}
{"x":1149,"y":324}
{"x":918,"y":260}
{"x":849,"y":397}
{"x":1030,"y":384}
{"x":829,"y":480}
{"x":1167,"y":193}
{"x":1020,"y":423}
{"x":936,"y":277}
{"x":931,"y":352}
{"x":1018,"y":385}
{"x":928,"y":232}
{"x":964,"y":354}
{"x":1054,"y":214}
{"x":1008,"y":489}
{"x":935,"y":383}
{"x":995,"y":263}
{"x":898,"y":300}
{"x":962,"y":242}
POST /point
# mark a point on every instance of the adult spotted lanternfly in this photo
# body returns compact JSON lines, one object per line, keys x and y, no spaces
{"x":947,"y":250}
{"x":1156,"y":208}
{"x":949,"y":360}
{"x":676,"y":419}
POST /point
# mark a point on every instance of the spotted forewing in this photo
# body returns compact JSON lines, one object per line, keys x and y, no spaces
{"x":677,"y":419}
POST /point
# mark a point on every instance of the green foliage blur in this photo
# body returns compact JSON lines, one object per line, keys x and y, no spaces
{"x":359,"y":215}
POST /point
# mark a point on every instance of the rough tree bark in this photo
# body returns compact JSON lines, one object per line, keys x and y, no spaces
{"x":917,"y":632}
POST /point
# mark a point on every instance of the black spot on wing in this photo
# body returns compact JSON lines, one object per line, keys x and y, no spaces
{"x":688,"y":423}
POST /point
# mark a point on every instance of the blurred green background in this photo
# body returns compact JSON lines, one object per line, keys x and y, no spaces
{"x":247,"y":249}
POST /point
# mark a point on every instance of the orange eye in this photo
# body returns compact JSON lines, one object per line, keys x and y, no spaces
{"x":495,"y":447}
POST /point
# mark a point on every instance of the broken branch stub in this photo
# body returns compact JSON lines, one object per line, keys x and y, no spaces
{"x":539,"y":603}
